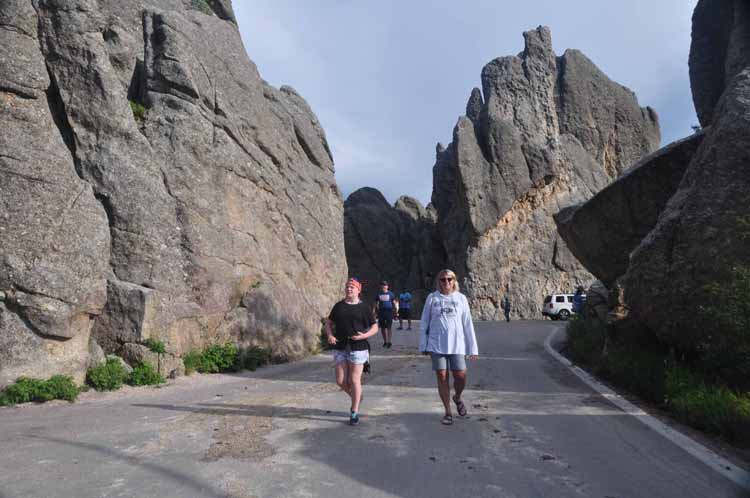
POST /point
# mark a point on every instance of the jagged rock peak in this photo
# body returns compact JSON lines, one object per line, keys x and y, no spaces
{"x":544,"y":132}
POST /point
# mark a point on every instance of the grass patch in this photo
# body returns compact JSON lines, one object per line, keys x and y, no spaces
{"x":26,"y":390}
{"x":109,"y":376}
{"x":139,"y":111}
{"x":714,"y":409}
{"x":144,"y":374}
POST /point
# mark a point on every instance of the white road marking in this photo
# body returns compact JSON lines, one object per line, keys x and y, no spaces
{"x":711,"y":459}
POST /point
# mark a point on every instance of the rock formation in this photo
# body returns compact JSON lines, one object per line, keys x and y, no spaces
{"x":605,"y":230}
{"x":545,"y":132}
{"x":702,"y":231}
{"x":153,"y":185}
{"x":394,"y":243}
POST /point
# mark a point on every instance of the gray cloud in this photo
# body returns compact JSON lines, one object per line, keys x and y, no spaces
{"x":389,"y":79}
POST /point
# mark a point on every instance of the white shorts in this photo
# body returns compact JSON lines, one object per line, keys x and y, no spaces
{"x":355,"y":357}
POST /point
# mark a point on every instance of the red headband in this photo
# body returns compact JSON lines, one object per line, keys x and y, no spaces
{"x":355,"y":283}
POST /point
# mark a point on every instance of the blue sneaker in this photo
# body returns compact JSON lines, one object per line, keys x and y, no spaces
{"x":354,"y":418}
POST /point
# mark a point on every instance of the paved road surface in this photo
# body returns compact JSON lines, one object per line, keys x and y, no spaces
{"x":534,"y":430}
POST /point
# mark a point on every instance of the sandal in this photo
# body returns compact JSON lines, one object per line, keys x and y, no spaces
{"x":447,"y":420}
{"x":460,"y":407}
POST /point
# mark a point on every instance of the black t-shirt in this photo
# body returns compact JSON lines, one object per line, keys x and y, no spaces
{"x":348,"y":320}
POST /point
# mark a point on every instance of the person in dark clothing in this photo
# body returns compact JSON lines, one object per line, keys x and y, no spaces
{"x":385,"y":305}
{"x":348,"y":327}
{"x":579,"y":298}
{"x":506,"y":308}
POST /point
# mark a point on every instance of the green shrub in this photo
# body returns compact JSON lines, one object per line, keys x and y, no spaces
{"x":139,"y":111}
{"x":218,"y":358}
{"x":252,"y":358}
{"x":144,"y":374}
{"x":586,"y":340}
{"x":25,"y":390}
{"x":155,"y":346}
{"x":107,"y":377}
{"x":639,"y":371}
{"x":214,"y":359}
{"x":202,"y":5}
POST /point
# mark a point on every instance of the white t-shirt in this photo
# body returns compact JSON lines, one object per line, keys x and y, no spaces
{"x":451,"y":330}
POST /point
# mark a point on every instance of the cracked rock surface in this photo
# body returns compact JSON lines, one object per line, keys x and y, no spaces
{"x":153,"y":185}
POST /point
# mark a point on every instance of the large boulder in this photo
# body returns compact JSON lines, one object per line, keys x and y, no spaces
{"x":545,"y":132}
{"x":602,"y":232}
{"x":720,"y":49}
{"x":703,"y":233}
{"x":152,"y":180}
{"x":394,"y":243}
{"x":677,"y":225}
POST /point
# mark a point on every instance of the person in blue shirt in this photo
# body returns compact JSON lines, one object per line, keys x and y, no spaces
{"x":404,"y":309}
{"x":385,"y":304}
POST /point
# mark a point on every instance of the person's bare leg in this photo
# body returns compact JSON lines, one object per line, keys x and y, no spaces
{"x":444,"y":389}
{"x":342,"y":377}
{"x":355,"y":385}
{"x":459,"y":383}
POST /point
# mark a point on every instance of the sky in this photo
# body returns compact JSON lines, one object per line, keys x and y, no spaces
{"x":388,"y":79}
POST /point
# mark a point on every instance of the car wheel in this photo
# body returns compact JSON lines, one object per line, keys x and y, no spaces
{"x":564,"y":315}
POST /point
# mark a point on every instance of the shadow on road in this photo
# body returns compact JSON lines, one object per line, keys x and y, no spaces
{"x":201,"y":488}
{"x":253,"y":411}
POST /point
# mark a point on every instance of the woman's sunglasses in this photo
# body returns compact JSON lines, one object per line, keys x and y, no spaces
{"x":446,"y":279}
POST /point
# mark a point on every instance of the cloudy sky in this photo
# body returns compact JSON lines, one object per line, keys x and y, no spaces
{"x":388,"y":79}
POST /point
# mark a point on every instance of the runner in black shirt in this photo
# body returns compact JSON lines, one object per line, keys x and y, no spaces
{"x":353,"y":323}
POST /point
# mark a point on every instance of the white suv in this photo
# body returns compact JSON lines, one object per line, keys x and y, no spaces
{"x":558,"y":306}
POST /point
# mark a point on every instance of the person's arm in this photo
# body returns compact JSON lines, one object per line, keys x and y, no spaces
{"x":367,"y":334}
{"x":424,"y":323}
{"x":329,"y":332}
{"x":468,"y":325}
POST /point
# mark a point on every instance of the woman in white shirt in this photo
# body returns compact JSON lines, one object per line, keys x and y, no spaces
{"x":447,"y":333}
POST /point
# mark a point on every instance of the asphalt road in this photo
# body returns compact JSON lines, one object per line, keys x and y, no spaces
{"x":533,"y":430}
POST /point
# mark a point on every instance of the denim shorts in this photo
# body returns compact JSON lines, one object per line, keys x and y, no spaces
{"x":446,"y":361}
{"x":355,"y":357}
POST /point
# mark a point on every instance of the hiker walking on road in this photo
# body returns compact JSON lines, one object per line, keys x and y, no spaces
{"x":348,"y":327}
{"x":385,"y":304}
{"x":404,"y":309}
{"x":506,"y":308}
{"x":447,"y":334}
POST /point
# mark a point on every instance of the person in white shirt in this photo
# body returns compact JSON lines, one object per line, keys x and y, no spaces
{"x":447,"y":334}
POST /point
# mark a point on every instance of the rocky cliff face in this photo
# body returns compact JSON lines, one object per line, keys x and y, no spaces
{"x":700,"y":231}
{"x":398,"y":244}
{"x":153,"y":185}
{"x":545,"y":132}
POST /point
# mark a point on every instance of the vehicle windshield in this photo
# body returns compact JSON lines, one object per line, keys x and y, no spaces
{"x":548,"y":299}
